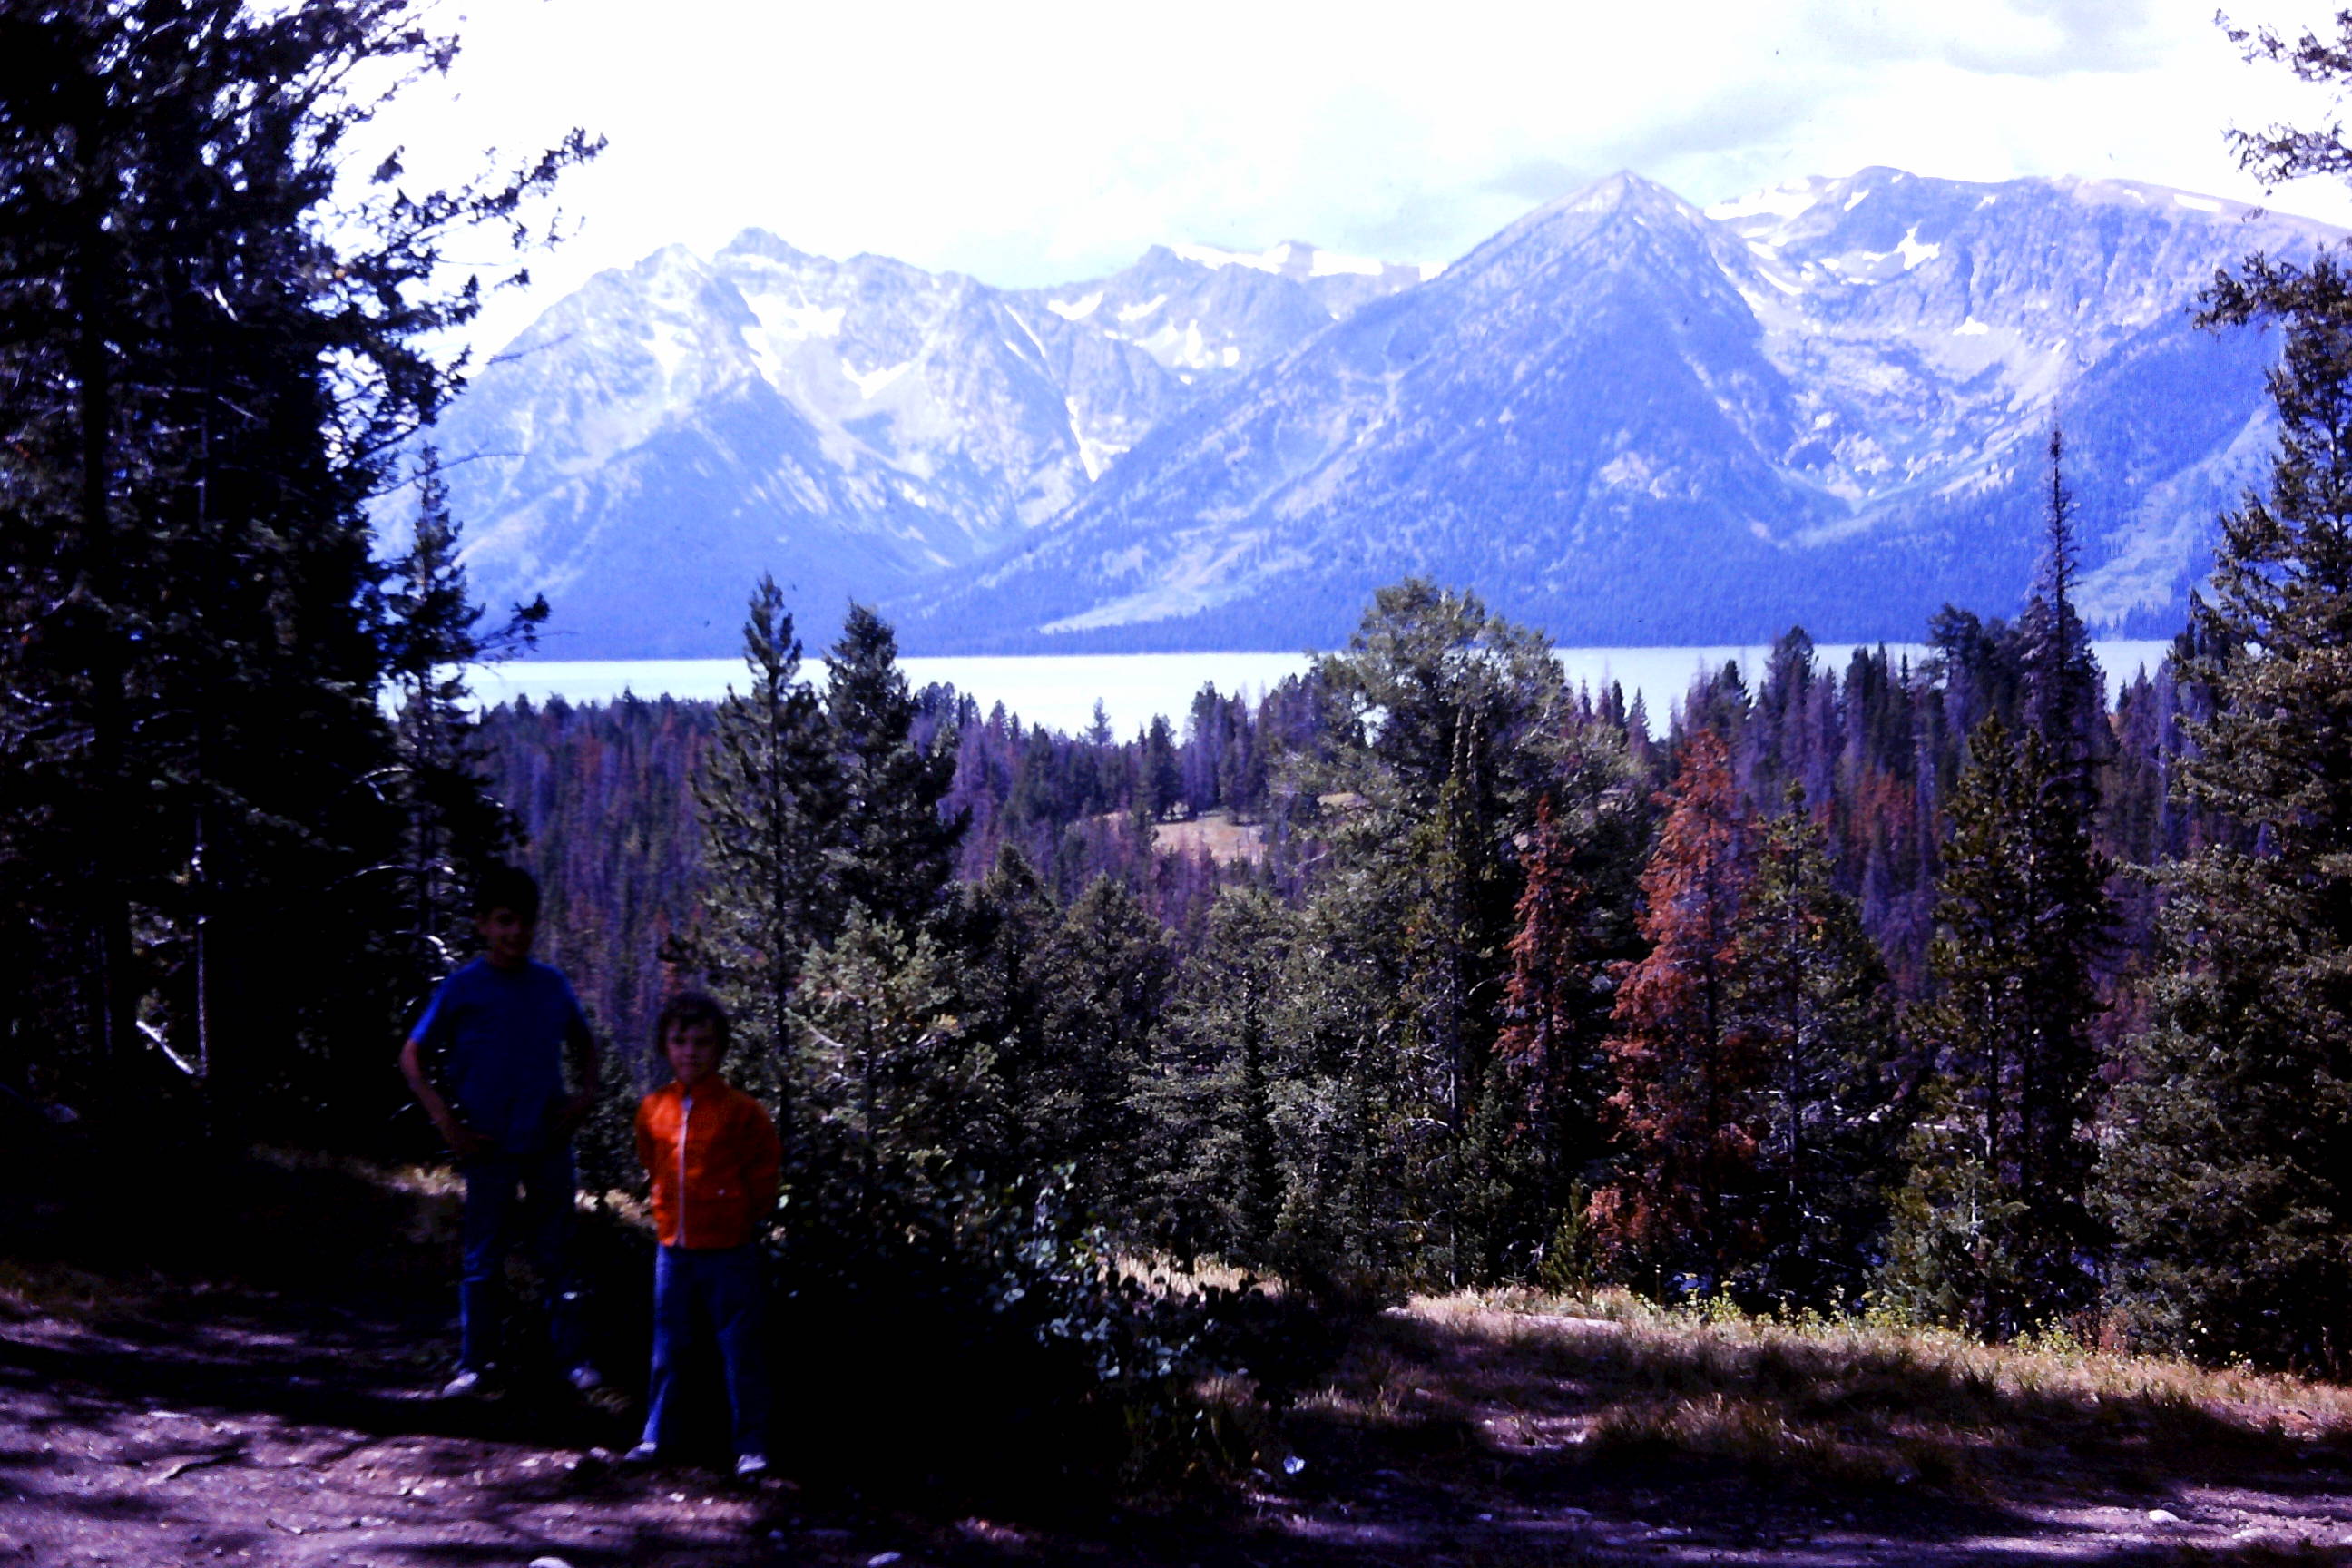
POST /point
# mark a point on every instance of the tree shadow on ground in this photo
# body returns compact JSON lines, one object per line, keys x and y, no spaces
{"x":1744,"y":1438}
{"x":1446,"y":1433}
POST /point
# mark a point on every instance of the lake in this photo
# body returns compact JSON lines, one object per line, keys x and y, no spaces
{"x":1059,"y":691}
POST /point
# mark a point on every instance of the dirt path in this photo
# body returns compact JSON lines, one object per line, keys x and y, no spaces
{"x":271,"y":1433}
{"x":242,"y":1440}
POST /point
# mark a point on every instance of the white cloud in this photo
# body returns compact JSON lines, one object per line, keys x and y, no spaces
{"x":1045,"y":141}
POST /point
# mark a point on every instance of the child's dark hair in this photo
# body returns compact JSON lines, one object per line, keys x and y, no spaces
{"x":689,"y":1009}
{"x":505,"y":887}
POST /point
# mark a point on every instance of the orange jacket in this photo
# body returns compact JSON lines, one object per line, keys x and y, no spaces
{"x":714,"y":1161}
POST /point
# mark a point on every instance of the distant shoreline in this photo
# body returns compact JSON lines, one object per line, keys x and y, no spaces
{"x":1058,"y":691}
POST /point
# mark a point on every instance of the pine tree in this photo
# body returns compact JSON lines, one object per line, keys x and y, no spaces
{"x":1350,"y":1084}
{"x":1993,"y":1232}
{"x":2064,"y":711}
{"x":1553,"y":1008}
{"x":1433,"y":724}
{"x":897,"y":851}
{"x":999,"y":933}
{"x":207,"y":378}
{"x":2224,"y":1177}
{"x":1213,"y":1157}
{"x":1453,"y":944}
{"x":1574,"y":927}
{"x":891,"y":1073}
{"x":769,"y":797}
{"x":1685,"y":1101}
{"x":1105,"y":975}
{"x":2062,"y":693}
{"x":456,"y":827}
{"x":1816,"y":1016}
{"x":1162,"y":781}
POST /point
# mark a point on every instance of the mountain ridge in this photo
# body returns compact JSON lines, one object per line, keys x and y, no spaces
{"x":1856,"y":390}
{"x":1622,"y":417}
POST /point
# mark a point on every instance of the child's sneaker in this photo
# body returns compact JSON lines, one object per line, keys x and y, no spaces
{"x":585,"y":1378}
{"x":466,"y":1382}
{"x":643,"y":1454}
{"x":751,"y":1467}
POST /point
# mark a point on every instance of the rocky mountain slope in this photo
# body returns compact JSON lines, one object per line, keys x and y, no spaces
{"x":1630,"y":421}
{"x":1622,"y":418}
{"x":659,"y":438}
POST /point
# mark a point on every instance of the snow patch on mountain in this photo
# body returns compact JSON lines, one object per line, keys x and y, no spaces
{"x":850,"y":424}
{"x":1641,"y":420}
{"x":1623,"y":415}
{"x":1782,"y":201}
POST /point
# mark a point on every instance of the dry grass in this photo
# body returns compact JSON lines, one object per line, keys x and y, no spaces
{"x":1161,"y":1273}
{"x":1214,"y":834}
{"x":1840,"y":1402}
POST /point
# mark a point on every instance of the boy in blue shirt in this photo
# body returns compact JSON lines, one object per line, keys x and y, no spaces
{"x":485,"y":1060}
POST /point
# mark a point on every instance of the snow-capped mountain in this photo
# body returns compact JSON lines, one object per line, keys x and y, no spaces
{"x":1627,"y":420}
{"x":662,"y":436}
{"x":1201,"y":311}
{"x":1622,"y":418}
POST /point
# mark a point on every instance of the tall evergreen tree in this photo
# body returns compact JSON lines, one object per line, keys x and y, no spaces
{"x":2062,"y":698}
{"x":1574,"y":930}
{"x":1816,"y":1016}
{"x":2065,"y":711}
{"x":1454,"y":952}
{"x":1162,"y":780}
{"x":1431,"y":753}
{"x":891,"y":1074}
{"x":1214,"y":1156}
{"x":213,"y":343}
{"x":1992,"y":1231}
{"x":2224,"y":1178}
{"x":769,"y":797}
{"x":998,"y":934}
{"x":1106,"y":973}
{"x":1994,"y":1228}
{"x":897,"y":852}
{"x":1555,"y":1007}
{"x":456,"y":827}
{"x":1354,"y":1084}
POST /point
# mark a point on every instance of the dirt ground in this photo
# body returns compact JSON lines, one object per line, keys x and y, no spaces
{"x":226,"y":1428}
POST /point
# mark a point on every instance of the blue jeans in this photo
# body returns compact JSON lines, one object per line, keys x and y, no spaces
{"x":516,"y":1200}
{"x":720,"y":1284}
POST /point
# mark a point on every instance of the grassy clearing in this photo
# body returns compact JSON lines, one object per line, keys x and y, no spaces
{"x":1845,"y":1402}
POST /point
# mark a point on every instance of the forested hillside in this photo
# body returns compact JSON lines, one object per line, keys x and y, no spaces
{"x":1428,"y":964}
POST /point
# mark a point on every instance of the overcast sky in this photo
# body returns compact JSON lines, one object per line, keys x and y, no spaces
{"x":1037,"y":142}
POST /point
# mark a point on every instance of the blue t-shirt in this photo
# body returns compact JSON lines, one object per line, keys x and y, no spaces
{"x":499,"y":1037}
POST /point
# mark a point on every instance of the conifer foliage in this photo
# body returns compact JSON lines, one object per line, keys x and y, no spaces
{"x":895,"y":848}
{"x":211,"y":343}
{"x":1555,"y":1007}
{"x":1686,"y":1077}
{"x":1816,"y":1017}
{"x":454,"y":826}
{"x":1994,"y":1229}
{"x":769,"y":801}
{"x":2226,"y":1179}
{"x":1476,"y":999}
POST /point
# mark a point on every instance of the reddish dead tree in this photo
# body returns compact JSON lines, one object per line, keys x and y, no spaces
{"x":1684,"y":1102}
